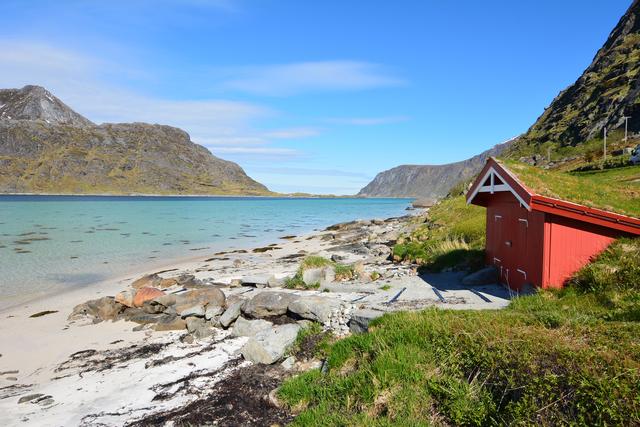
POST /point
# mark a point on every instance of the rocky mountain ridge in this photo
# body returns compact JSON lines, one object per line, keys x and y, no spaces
{"x":428,"y":182}
{"x":606,"y":92}
{"x":46,"y":147}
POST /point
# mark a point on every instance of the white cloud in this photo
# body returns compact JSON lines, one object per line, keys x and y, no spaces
{"x":292,"y":133}
{"x":368,"y":121}
{"x":295,"y":78}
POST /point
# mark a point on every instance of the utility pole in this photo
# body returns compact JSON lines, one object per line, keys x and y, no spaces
{"x":605,"y":144}
{"x":626,"y":123}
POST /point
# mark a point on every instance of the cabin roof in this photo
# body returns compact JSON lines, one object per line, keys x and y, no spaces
{"x":604,"y":199}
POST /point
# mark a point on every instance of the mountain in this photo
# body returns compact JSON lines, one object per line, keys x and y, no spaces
{"x":46,"y":147}
{"x":607,"y":91}
{"x":429,"y":182}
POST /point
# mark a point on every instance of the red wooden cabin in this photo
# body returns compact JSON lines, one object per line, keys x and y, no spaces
{"x":538,"y":240}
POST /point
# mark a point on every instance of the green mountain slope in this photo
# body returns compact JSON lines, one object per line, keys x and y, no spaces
{"x":45,"y":147}
{"x":606,"y":93}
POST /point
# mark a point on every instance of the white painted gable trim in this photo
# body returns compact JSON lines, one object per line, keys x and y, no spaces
{"x":494,"y":188}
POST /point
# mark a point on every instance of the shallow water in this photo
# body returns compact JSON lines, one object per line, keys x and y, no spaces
{"x":53,"y":243}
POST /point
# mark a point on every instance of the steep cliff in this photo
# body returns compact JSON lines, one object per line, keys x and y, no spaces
{"x":429,"y":182}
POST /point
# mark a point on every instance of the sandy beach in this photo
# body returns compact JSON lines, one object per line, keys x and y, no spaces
{"x":56,"y":371}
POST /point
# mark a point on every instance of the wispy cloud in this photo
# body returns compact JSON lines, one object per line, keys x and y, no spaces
{"x":293,"y":133}
{"x":311,"y":172}
{"x":301,"y":77}
{"x":367,"y":121}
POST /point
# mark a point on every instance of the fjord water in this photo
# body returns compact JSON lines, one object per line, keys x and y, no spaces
{"x":52,"y":243}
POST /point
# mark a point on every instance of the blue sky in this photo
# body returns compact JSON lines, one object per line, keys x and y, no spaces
{"x":314,"y":96}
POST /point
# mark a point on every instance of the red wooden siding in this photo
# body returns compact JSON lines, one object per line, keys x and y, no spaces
{"x":546,"y":242}
{"x":569,"y":245}
{"x":514,"y":241}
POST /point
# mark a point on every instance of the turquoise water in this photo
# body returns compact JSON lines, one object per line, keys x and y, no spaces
{"x":53,"y":243}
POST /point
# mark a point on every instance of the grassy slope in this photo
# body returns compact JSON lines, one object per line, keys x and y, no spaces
{"x":453,"y":236}
{"x":617,"y":190}
{"x":551,"y":358}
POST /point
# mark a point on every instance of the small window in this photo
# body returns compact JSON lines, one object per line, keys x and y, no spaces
{"x":497,"y":180}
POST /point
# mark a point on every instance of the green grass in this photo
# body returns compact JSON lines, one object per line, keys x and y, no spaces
{"x":314,"y":261}
{"x":344,"y":271}
{"x":617,"y":190}
{"x":452,"y":237}
{"x":568,"y":357}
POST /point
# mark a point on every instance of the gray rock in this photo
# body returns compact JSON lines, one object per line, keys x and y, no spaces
{"x":199,"y":328}
{"x":194,"y":311}
{"x":213,"y":311}
{"x":269,"y":346}
{"x":203,"y":297}
{"x":170,"y":323}
{"x":166,"y":300}
{"x":266,"y":304}
{"x":248,"y":328}
{"x":105,"y":308}
{"x":288,"y":363}
{"x":139,"y":316}
{"x":322,"y":275}
{"x":30,"y":397}
{"x":311,"y":276}
{"x":317,"y":308}
{"x":153,"y":308}
{"x":360,"y":320}
{"x":231,"y":314}
{"x":485,"y":276}
{"x":258,"y":281}
{"x":274,"y":283}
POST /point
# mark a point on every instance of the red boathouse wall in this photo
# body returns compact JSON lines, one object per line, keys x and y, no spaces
{"x":569,"y":245}
{"x":515,"y":241}
{"x":539,"y":240}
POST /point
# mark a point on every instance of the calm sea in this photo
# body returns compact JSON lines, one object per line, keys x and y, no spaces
{"x":52,"y":243}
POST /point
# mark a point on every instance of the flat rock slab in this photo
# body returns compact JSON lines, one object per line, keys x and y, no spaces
{"x":317,"y":308}
{"x":249,"y":328}
{"x":259,"y":281}
{"x":267,"y":304}
{"x":269,"y":346}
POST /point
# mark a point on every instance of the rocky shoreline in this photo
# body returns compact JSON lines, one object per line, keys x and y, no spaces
{"x":232,"y":321}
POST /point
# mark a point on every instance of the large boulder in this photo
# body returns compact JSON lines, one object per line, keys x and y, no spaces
{"x":202,"y":297}
{"x":318,"y":308}
{"x":267,"y":304}
{"x":147,"y":281}
{"x":146,"y":294}
{"x":249,"y":328}
{"x":231,"y":314}
{"x":360,"y":320}
{"x":105,"y":308}
{"x":485,"y":276}
{"x":126,"y":297}
{"x":269,"y":346}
